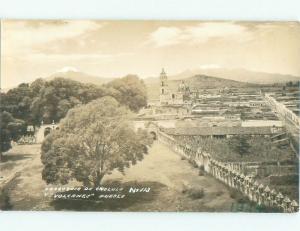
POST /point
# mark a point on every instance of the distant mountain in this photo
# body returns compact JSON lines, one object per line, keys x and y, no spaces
{"x":196,"y":82}
{"x":239,"y":74}
{"x":75,"y":75}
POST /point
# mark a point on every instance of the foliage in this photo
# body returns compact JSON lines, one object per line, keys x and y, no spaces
{"x":194,"y":193}
{"x":93,"y":140}
{"x":131,"y":92}
{"x":236,"y":195}
{"x":11,"y":129}
{"x":51,"y":100}
{"x":17,"y":102}
{"x":56,"y":97}
{"x":240,"y":145}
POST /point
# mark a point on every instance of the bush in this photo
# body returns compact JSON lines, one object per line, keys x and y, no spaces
{"x":219,"y":193}
{"x":194,"y":193}
{"x":193,"y":163}
{"x":234,"y":194}
{"x":201,"y":171}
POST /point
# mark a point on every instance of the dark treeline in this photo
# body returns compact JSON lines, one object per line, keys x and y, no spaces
{"x":47,"y":101}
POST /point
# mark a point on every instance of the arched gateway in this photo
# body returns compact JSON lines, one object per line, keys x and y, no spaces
{"x":44,"y":130}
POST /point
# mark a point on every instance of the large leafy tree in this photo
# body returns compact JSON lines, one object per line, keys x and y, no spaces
{"x":93,"y":140}
{"x":51,"y":100}
{"x":11,"y":129}
{"x":17,"y":102}
{"x":131,"y":92}
{"x":56,"y":97}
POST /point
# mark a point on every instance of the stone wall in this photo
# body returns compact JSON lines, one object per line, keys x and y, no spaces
{"x":258,"y":193}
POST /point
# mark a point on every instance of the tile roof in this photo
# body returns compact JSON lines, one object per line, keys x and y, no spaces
{"x":205,"y":131}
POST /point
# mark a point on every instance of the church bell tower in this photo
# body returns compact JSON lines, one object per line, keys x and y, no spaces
{"x":164,"y":92}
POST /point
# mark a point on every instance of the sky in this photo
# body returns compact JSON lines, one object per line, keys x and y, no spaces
{"x":31,"y":49}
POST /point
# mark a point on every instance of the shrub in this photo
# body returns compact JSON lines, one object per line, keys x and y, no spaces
{"x":201,"y":171}
{"x":219,"y":193}
{"x":234,"y":194}
{"x":195,"y":193}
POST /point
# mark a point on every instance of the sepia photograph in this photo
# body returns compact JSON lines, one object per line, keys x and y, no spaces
{"x":150,"y":116}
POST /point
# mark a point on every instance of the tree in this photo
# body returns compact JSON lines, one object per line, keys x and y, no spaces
{"x":93,"y":140}
{"x":240,"y":145}
{"x":37,"y":85}
{"x":131,"y":92}
{"x":56,"y":97}
{"x":17,"y":102}
{"x":51,"y":100}
{"x":11,"y":129}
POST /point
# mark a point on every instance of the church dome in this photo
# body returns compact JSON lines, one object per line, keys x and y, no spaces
{"x":183,"y":87}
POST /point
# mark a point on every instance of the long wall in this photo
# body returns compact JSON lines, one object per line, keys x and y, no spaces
{"x":258,"y":193}
{"x":283,"y":110}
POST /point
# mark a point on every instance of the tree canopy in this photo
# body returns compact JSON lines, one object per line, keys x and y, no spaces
{"x":240,"y":145}
{"x":93,"y":140}
{"x":51,"y":100}
{"x":11,"y":129}
{"x":131,"y":91}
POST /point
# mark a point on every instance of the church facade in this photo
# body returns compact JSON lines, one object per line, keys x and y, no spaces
{"x":170,"y":97}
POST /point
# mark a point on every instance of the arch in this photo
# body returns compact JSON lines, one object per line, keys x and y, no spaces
{"x":154,"y":135}
{"x":47,"y":130}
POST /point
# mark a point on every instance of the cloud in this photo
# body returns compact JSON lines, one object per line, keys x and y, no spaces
{"x":165,"y":36}
{"x":201,"y":33}
{"x":50,"y":58}
{"x":20,"y":36}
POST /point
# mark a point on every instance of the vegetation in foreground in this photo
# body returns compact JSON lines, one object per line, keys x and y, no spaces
{"x":93,"y":140}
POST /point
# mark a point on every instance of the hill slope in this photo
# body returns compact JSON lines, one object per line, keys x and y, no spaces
{"x":239,"y":74}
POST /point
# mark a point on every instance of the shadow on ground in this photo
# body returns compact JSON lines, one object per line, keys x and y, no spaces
{"x":5,"y":198}
{"x":110,"y":204}
{"x":15,"y":157}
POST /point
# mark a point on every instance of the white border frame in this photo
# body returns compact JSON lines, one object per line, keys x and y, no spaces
{"x":149,"y":9}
